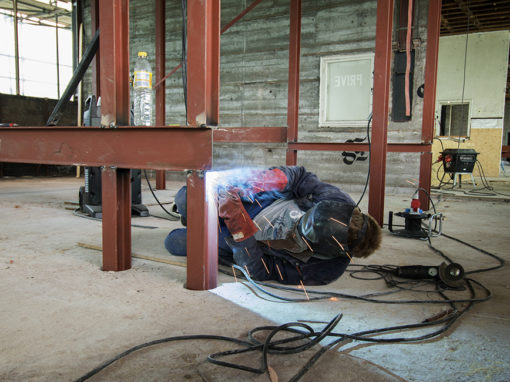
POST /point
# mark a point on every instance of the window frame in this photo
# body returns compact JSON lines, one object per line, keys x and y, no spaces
{"x":325,"y":61}
{"x":450,"y":103}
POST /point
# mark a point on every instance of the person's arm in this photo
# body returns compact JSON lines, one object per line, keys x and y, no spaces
{"x":248,"y":254}
{"x":303,"y":184}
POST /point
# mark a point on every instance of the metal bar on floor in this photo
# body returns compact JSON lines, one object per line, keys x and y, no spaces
{"x":382,"y":65}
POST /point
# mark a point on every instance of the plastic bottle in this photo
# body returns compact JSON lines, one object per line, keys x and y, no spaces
{"x":142,"y":87}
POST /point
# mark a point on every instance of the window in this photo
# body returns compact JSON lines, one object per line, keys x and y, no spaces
{"x":37,"y":58}
{"x":346,"y":90}
{"x":454,"y":120}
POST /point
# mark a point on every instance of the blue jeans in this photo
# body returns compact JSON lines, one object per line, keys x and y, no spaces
{"x":175,"y":242}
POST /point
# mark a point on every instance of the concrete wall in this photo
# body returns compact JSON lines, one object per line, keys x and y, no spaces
{"x":254,"y":70}
{"x":484,"y":87}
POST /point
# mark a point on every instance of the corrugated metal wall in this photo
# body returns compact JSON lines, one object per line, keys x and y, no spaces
{"x":254,"y":70}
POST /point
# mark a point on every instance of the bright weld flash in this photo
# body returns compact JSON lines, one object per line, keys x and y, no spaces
{"x":268,"y":221}
{"x":338,"y":221}
{"x":234,"y":272}
{"x":280,"y":273}
{"x":301,"y":281}
{"x":309,"y":247}
{"x":265,"y":266}
{"x":341,"y":246}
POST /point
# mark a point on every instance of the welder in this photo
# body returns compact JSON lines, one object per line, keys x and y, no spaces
{"x":284,"y":224}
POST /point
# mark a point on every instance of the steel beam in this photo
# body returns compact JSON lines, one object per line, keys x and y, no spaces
{"x":203,"y":63}
{"x":338,"y":146}
{"x":160,"y":72}
{"x":145,"y":147}
{"x":429,"y":98}
{"x":382,"y":65}
{"x":293,"y":87}
{"x":251,"y":134}
{"x":202,"y":236}
{"x":116,"y":202}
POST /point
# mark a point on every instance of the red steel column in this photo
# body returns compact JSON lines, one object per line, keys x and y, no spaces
{"x":429,"y":98}
{"x":382,"y":65}
{"x":114,"y":79}
{"x":160,"y":72}
{"x":96,"y":67}
{"x":202,"y":239}
{"x":203,"y":75}
{"x":203,"y":63}
{"x":116,"y":205}
{"x":293,"y":89}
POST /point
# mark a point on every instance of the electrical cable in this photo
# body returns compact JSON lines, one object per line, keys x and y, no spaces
{"x":314,"y":337}
{"x":369,"y":154}
{"x":174,"y":215}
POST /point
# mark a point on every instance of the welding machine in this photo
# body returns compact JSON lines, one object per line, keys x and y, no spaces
{"x":90,"y":194}
{"x":459,"y":160}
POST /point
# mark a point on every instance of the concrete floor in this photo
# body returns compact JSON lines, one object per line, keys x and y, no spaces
{"x":61,"y":315}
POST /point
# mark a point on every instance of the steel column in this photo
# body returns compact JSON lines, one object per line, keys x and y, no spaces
{"x":203,"y":63}
{"x":96,"y":63}
{"x":382,"y":65}
{"x":160,"y":72}
{"x":116,"y":197}
{"x":293,"y":87}
{"x":114,"y":80}
{"x":429,"y":98}
{"x":114,"y":58}
{"x":202,"y":237}
{"x":16,"y":45}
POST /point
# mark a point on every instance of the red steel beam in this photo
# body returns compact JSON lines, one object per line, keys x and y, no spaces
{"x":251,"y":134}
{"x":160,"y":148}
{"x":160,"y":72}
{"x":429,"y":98}
{"x":114,"y":80}
{"x":116,"y":202}
{"x":382,"y":65}
{"x":203,"y":63}
{"x":203,"y":78}
{"x":96,"y":62}
{"x":114,"y":72}
{"x":392,"y":147}
{"x":293,"y":87}
{"x":202,"y":236}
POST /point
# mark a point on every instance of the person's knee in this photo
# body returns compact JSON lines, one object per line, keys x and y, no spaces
{"x":175,"y":242}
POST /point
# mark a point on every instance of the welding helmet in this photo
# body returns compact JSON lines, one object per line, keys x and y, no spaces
{"x":325,"y":227}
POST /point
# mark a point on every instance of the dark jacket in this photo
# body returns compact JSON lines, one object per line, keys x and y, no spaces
{"x":307,"y":190}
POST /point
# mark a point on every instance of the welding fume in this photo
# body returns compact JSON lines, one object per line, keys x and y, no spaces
{"x":283,"y":224}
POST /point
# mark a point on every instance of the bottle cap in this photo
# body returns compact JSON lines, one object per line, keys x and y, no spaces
{"x":142,"y":54}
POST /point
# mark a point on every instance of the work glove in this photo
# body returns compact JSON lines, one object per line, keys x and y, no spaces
{"x":267,"y":180}
{"x":237,"y":220}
